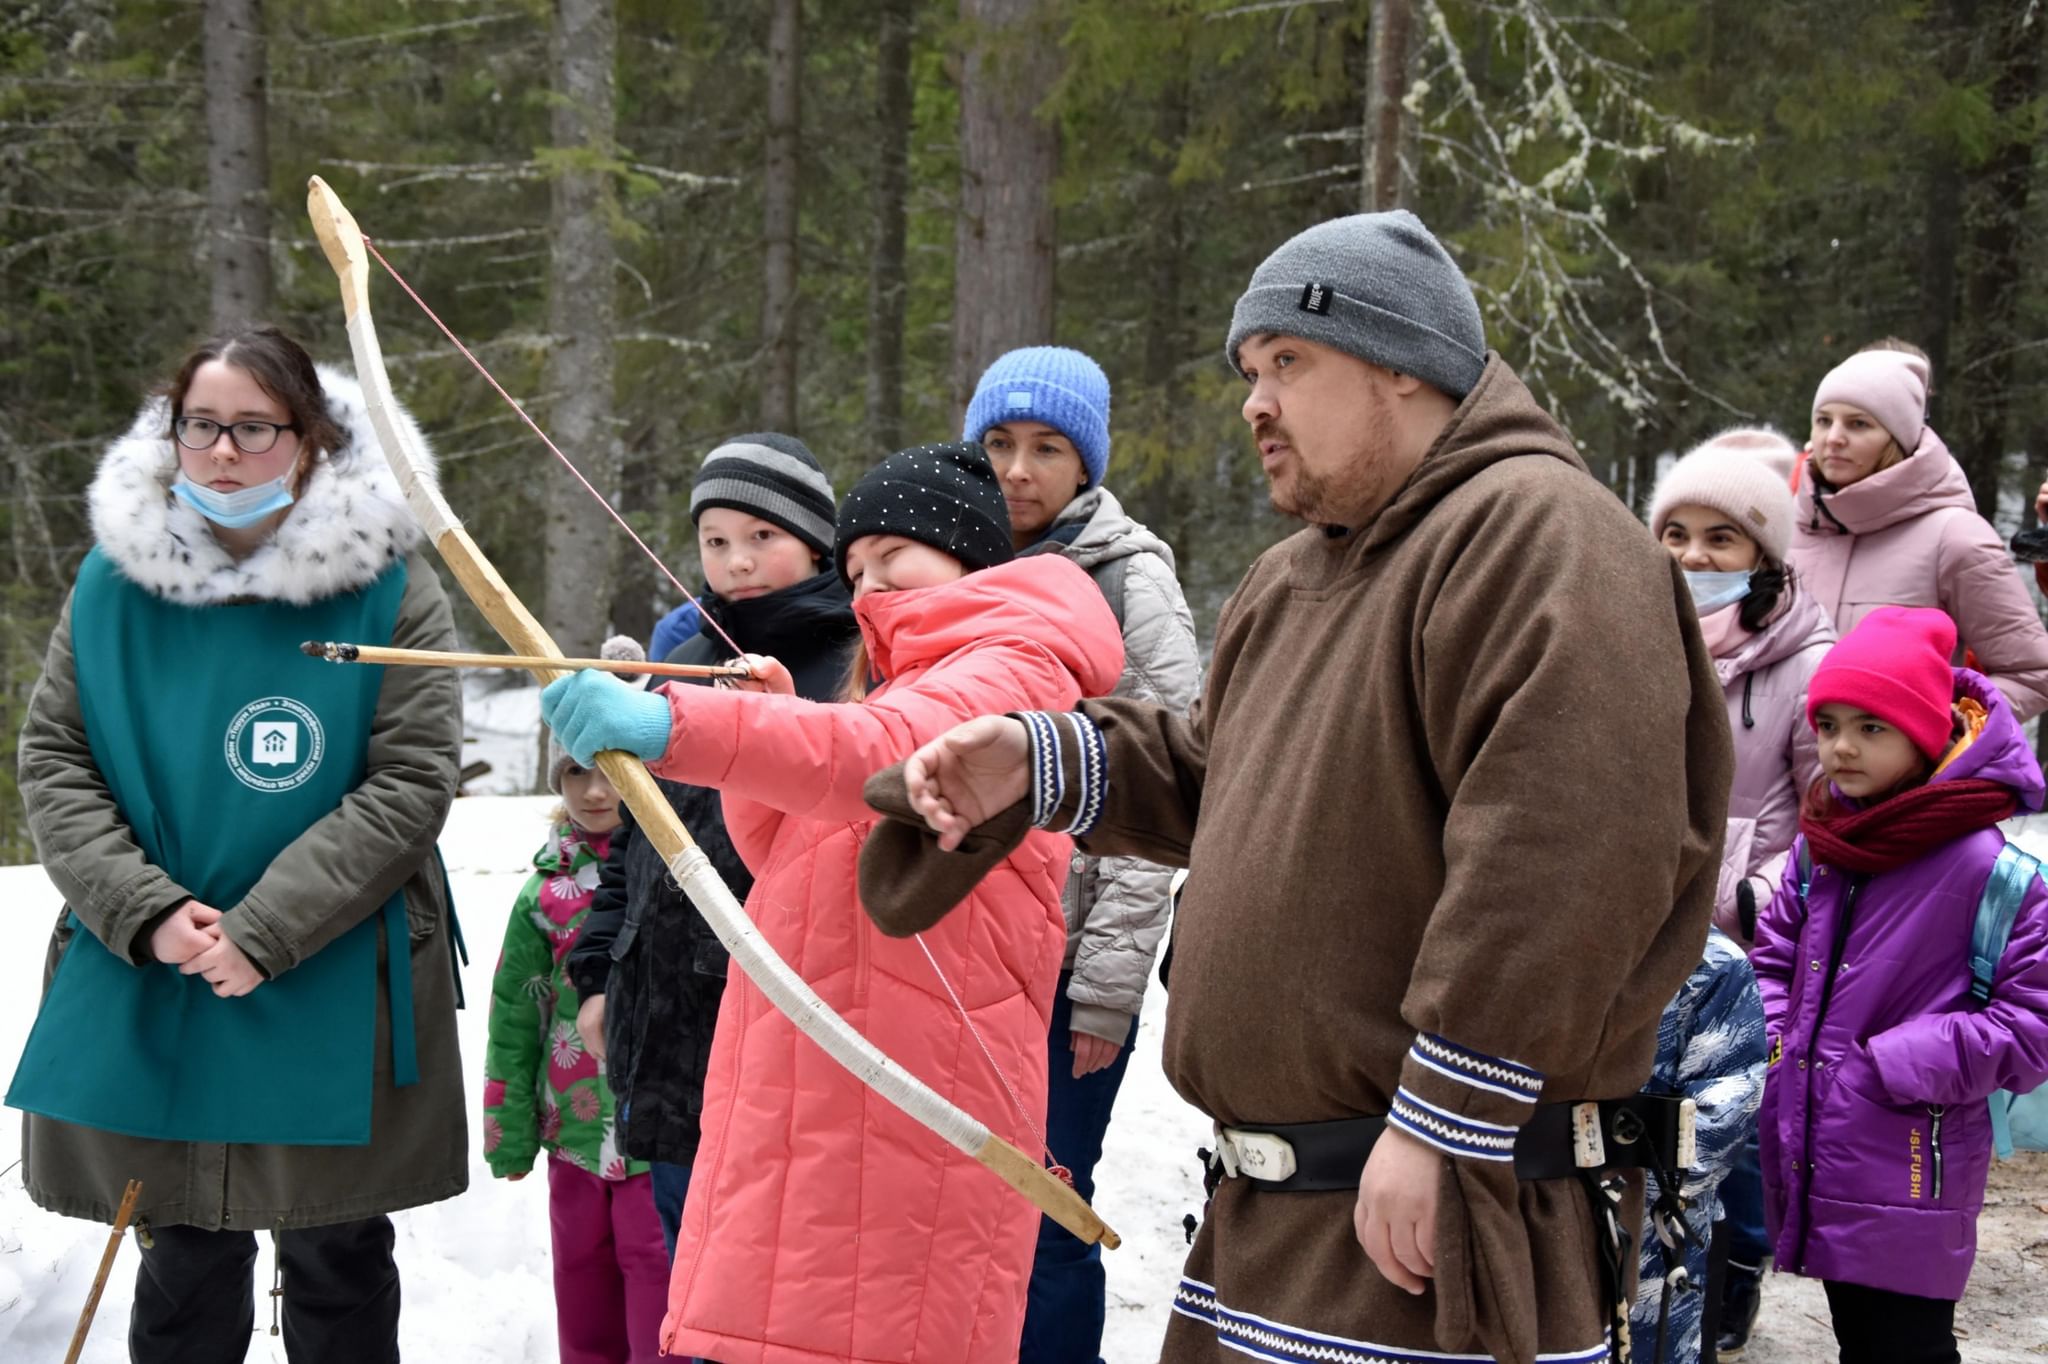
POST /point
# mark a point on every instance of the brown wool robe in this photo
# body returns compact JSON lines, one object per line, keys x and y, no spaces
{"x":1460,"y":774}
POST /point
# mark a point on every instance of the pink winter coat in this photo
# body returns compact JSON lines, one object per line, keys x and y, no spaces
{"x":1910,"y":536}
{"x":1765,"y":678}
{"x":822,"y":1224}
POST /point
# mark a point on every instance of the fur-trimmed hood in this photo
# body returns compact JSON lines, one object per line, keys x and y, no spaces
{"x":348,"y":525}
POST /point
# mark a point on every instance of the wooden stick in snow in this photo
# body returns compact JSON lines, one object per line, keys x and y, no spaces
{"x":99,"y":1283}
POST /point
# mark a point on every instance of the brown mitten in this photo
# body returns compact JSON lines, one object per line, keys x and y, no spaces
{"x":906,"y":883}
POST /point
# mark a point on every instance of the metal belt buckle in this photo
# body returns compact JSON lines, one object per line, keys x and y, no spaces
{"x":1260,"y":1155}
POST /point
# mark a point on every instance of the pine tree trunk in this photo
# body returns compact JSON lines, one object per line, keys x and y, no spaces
{"x":779,"y":217}
{"x":633,"y":578}
{"x":1159,"y":499}
{"x":1387,"y":178}
{"x":237,"y":162}
{"x":581,"y":322}
{"x":1003,"y":244}
{"x":888,"y":278}
{"x":1949,"y":34}
{"x":1982,"y":381}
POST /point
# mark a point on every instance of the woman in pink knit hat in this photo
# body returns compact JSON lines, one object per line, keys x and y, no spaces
{"x":1886,"y":518}
{"x":1725,"y":514}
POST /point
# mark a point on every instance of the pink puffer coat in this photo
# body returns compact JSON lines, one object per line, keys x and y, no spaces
{"x":1910,"y":536}
{"x":822,"y":1224}
{"x":1765,"y":678}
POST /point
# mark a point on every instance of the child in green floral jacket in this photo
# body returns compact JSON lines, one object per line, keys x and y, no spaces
{"x":543,"y":1089}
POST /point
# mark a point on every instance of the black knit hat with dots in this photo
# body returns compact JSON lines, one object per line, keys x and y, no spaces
{"x":944,"y":496}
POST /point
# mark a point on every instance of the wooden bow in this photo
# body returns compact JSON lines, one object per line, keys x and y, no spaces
{"x":342,"y":240}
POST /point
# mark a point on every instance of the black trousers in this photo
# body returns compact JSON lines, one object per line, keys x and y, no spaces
{"x":1874,"y":1326}
{"x":1717,"y":1284}
{"x":195,"y":1295}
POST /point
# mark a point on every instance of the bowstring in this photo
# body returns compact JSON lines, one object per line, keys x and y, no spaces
{"x":1016,"y":1102}
{"x":1031,"y":1124}
{"x":1037,"y":1133}
{"x":553,"y":449}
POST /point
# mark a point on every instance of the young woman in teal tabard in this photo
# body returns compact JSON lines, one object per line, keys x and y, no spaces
{"x":250,"y":996}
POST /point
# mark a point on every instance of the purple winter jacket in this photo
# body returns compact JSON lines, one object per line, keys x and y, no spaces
{"x":1876,"y":1136}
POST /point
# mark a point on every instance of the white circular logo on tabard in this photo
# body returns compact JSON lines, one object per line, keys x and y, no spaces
{"x":275,"y":744}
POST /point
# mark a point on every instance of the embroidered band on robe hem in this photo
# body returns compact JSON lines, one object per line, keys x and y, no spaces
{"x":1265,"y":1339}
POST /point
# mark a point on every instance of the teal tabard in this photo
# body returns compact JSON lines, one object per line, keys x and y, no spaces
{"x":222,"y":744}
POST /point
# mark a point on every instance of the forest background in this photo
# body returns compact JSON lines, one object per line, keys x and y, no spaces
{"x":662,"y":222}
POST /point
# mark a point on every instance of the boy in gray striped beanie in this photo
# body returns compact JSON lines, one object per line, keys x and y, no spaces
{"x":774,"y":477}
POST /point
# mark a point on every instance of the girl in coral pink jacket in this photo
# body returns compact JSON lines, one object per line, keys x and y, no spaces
{"x":823,"y":1225}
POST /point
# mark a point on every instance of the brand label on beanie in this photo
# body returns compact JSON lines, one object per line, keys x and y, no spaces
{"x":1019,"y":400}
{"x":1315,"y":298}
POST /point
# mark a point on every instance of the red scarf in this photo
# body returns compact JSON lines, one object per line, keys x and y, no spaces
{"x":1902,"y":828}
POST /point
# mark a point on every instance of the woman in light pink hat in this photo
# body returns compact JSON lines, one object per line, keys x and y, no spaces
{"x":1885,"y":518}
{"x":1724,"y":513}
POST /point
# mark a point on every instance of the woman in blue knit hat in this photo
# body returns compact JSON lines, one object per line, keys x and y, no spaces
{"x":1042,"y":414}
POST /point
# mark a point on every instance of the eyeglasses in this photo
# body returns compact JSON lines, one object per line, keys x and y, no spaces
{"x":250,"y":437}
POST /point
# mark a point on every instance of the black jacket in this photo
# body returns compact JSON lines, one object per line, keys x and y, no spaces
{"x":644,"y":946}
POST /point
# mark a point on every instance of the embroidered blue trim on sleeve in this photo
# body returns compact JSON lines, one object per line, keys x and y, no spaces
{"x":1094,"y":775}
{"x":1450,"y":1133}
{"x":1048,"y":777}
{"x":1490,"y":1073}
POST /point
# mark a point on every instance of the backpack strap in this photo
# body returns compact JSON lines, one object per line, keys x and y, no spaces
{"x":1109,"y":577}
{"x":1804,"y":856}
{"x":2011,"y":874}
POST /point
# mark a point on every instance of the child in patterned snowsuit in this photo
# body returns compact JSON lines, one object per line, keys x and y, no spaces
{"x":544,"y":1090}
{"x":1710,"y":1048}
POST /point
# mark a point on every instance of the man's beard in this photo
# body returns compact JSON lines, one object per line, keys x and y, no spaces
{"x":1311,"y":497}
{"x":1331,"y":498}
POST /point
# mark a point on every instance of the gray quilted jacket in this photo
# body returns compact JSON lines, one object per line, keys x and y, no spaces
{"x":1118,"y":907}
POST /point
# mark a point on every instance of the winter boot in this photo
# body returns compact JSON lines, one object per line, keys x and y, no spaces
{"x":1740,"y":1301}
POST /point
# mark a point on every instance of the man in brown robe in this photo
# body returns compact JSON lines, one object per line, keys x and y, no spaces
{"x":1451,"y":804}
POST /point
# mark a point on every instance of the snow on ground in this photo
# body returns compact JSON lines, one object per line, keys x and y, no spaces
{"x":475,"y":1268}
{"x":500,"y":717}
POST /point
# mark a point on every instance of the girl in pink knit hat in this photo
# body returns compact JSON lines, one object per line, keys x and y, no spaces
{"x":1885,"y":517}
{"x":1876,"y":1137}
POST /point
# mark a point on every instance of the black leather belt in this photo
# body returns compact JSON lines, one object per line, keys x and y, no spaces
{"x":1644,"y":1131}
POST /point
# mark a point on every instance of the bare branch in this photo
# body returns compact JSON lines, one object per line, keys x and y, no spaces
{"x":1263,"y":5}
{"x":1546,"y":300}
{"x":399,"y":35}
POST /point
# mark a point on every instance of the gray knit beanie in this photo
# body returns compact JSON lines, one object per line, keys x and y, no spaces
{"x":774,"y":477}
{"x":1374,"y":285}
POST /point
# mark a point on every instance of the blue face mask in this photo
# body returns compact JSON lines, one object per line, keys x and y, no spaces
{"x":242,"y":507}
{"x":1713,"y":591}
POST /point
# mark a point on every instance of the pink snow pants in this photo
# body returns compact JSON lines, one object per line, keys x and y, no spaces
{"x":611,"y":1266}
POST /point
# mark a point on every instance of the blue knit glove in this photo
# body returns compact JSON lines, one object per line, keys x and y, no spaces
{"x":591,"y":711}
